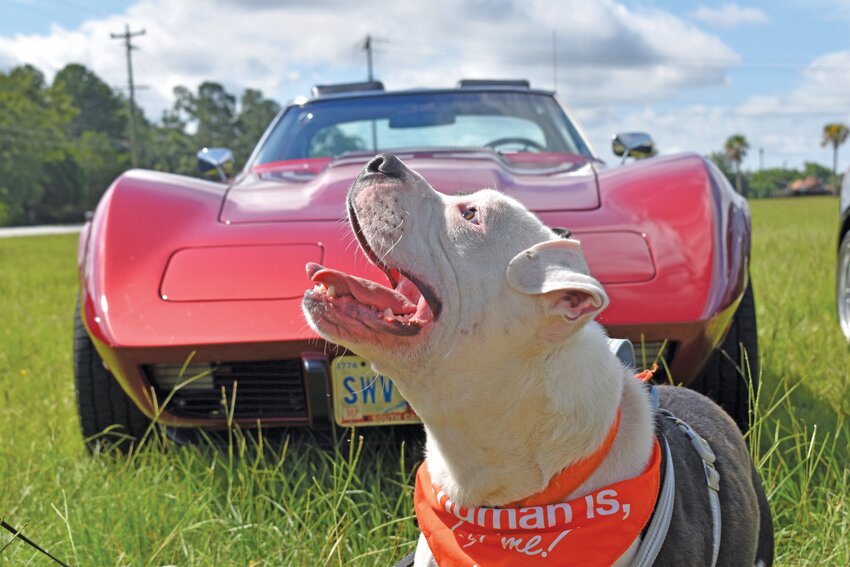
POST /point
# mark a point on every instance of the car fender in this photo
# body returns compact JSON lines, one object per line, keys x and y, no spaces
{"x":698,"y":230}
{"x":133,"y":229}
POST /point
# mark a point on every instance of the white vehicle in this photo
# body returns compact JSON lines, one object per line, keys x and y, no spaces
{"x":843,"y":269}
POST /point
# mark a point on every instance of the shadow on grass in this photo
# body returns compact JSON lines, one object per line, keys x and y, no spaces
{"x":803,"y":409}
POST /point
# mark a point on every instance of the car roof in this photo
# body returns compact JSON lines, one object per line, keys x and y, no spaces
{"x":375,"y":89}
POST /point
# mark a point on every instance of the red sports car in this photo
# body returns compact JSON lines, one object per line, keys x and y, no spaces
{"x":190,"y":290}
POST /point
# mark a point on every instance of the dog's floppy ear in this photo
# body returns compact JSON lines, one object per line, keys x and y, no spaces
{"x":557,"y":269}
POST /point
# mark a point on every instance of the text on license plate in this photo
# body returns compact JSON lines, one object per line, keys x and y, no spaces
{"x":363,"y":398}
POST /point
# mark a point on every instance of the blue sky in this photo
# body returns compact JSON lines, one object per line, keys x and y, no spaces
{"x":689,"y":73}
{"x":37,"y":16}
{"x":774,"y":52}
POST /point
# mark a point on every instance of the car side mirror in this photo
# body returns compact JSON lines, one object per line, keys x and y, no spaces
{"x":638,"y":145}
{"x":218,"y":159}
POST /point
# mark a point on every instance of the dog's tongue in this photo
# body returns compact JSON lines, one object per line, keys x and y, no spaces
{"x":364,"y":291}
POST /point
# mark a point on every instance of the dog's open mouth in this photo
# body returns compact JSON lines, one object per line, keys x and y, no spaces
{"x":404,"y":307}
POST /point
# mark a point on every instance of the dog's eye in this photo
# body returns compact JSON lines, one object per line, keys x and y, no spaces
{"x":470,"y":214}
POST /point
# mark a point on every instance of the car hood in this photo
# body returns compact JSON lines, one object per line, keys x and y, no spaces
{"x":301,"y":194}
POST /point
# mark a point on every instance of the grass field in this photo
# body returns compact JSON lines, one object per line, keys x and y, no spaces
{"x":291,"y":503}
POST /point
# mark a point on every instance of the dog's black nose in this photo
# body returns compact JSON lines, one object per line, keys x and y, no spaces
{"x":387,"y":164}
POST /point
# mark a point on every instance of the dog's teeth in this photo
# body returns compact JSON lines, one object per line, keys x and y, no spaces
{"x":331,"y":291}
{"x":388,"y":314}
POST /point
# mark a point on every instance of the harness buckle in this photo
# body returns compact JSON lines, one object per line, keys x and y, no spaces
{"x":712,"y":477}
{"x":702,"y":447}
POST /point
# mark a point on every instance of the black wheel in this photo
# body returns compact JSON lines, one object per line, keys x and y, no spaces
{"x":727,"y":376}
{"x":101,"y":403}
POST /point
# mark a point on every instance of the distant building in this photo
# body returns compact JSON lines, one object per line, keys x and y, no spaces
{"x":810,"y":185}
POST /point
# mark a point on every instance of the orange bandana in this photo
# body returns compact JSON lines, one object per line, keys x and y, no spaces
{"x":593,"y":530}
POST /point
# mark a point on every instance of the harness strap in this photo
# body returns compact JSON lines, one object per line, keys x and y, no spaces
{"x":656,"y":532}
{"x":712,"y":477}
{"x":407,"y":560}
{"x":714,"y":498}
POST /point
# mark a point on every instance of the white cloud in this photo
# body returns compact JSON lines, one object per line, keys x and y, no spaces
{"x":786,"y":138}
{"x":620,"y":69}
{"x":788,"y":125}
{"x":823,"y":89}
{"x":606,"y":52}
{"x":792,"y":121}
{"x":730,"y":15}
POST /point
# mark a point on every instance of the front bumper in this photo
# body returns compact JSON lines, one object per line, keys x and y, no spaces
{"x":288,"y":384}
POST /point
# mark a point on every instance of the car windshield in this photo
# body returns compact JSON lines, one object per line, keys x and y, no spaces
{"x":504,"y":122}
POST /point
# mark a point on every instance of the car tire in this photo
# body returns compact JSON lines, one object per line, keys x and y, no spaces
{"x":842,"y":285}
{"x":101,"y":403}
{"x":728,"y":378}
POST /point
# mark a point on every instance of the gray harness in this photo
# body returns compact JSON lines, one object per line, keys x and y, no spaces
{"x":656,"y":532}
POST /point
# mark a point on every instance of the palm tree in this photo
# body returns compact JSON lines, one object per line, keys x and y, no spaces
{"x":736,"y":147}
{"x":835,"y":134}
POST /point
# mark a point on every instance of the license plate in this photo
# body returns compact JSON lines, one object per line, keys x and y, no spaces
{"x":363,"y":398}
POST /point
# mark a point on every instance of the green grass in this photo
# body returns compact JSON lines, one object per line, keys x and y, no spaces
{"x":293,"y":503}
{"x":795,"y":242}
{"x":801,"y":448}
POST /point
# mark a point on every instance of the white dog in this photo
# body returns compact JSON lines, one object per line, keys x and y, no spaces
{"x":488,"y":332}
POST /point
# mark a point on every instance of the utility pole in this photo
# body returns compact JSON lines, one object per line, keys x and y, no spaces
{"x":126,"y":36}
{"x":367,"y":46}
{"x":761,"y":159}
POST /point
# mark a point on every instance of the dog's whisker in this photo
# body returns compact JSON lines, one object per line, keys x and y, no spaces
{"x":385,"y":254}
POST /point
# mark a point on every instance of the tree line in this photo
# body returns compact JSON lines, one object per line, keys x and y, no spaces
{"x":63,"y":143}
{"x":781,"y":181}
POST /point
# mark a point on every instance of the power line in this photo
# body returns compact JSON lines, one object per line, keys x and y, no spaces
{"x":536,"y":54}
{"x":129,"y":47}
